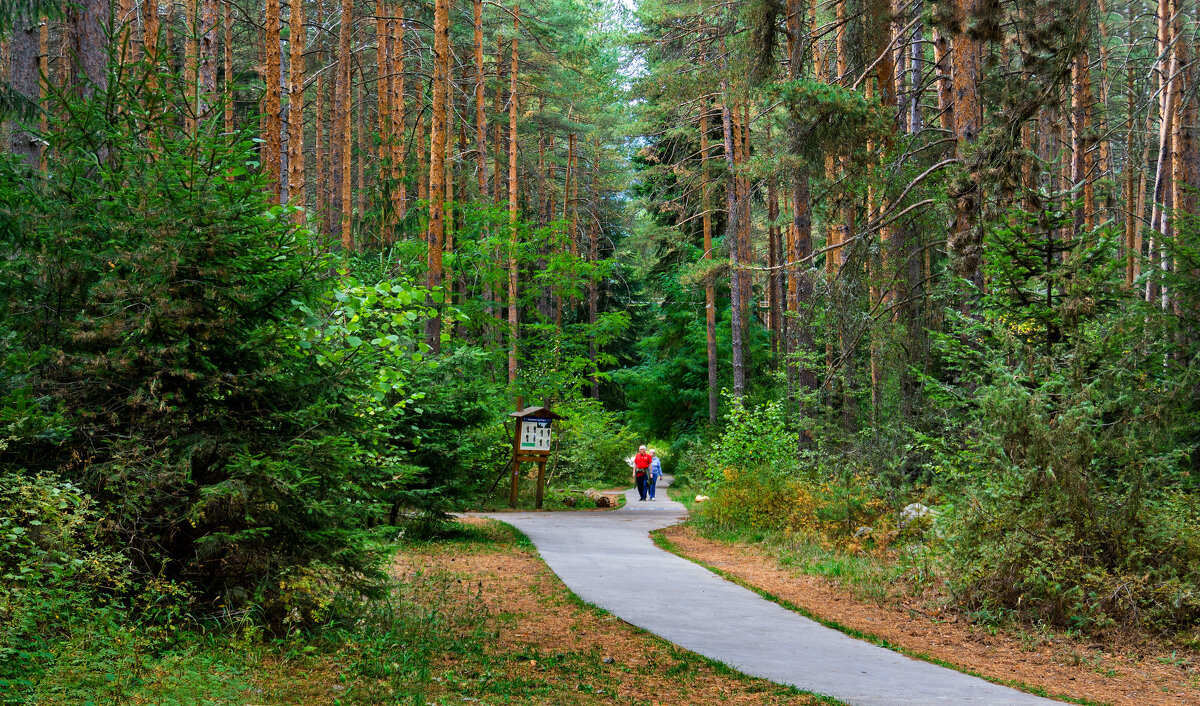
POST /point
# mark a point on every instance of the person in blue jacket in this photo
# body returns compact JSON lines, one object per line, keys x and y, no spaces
{"x":654,"y":475}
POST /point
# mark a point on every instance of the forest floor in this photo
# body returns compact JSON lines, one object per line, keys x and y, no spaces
{"x":1122,"y":669}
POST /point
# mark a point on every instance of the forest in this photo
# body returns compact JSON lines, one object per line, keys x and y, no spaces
{"x":274,"y":274}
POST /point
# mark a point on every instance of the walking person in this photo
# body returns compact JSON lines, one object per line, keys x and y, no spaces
{"x":641,"y":469}
{"x":654,"y":474}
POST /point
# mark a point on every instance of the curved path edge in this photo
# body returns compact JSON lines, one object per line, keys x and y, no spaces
{"x":609,"y":560}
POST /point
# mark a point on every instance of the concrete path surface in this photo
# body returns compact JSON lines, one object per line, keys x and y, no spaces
{"x":608,"y":559}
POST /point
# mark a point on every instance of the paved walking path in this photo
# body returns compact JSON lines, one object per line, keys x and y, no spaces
{"x":608,"y":559}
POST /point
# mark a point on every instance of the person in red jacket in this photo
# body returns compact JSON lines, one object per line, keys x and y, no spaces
{"x":641,"y":468}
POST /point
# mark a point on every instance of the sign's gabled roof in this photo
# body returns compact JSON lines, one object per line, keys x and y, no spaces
{"x":543,"y":412}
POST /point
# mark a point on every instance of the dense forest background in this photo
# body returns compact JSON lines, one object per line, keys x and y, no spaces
{"x":274,"y":274}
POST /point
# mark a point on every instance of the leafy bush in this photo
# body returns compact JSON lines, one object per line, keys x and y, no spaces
{"x":593,"y":444}
{"x":755,"y":439}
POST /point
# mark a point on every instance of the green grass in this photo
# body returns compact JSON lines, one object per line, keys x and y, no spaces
{"x":429,"y":639}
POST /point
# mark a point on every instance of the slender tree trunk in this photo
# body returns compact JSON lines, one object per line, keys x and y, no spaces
{"x":965,"y":241}
{"x":341,"y":134}
{"x":945,"y":87}
{"x":24,"y":61}
{"x":501,"y":145}
{"x":150,"y":39}
{"x":593,"y":256}
{"x":1081,"y":99}
{"x":398,"y":152}
{"x":321,"y":184}
{"x":272,"y":123}
{"x":731,"y":240}
{"x":1167,"y":98}
{"x":1181,"y":190}
{"x":437,"y":160}
{"x":228,"y":51}
{"x":207,"y":68}
{"x":710,"y":296}
{"x":1132,"y":217}
{"x":191,"y":56}
{"x":481,"y":167}
{"x":513,"y":272}
{"x":774,"y":313}
{"x":383,"y":103}
{"x":360,"y":181}
{"x":297,"y":40}
{"x":422,"y":176}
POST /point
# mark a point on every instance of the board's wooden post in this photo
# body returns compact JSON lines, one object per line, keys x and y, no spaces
{"x":541,"y":484}
{"x":516,"y":467}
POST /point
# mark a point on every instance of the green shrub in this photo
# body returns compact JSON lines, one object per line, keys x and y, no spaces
{"x":593,"y":444}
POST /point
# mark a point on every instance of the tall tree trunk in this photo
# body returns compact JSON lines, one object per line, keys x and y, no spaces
{"x":360,"y":180}
{"x":227,"y":100}
{"x":398,"y":152}
{"x":24,"y":61}
{"x":774,"y":312}
{"x":1081,"y":162}
{"x":297,"y":40}
{"x":191,"y":57}
{"x":320,"y":131}
{"x":731,"y":241}
{"x":1181,"y":190}
{"x":571,"y":205}
{"x":1166,"y":68}
{"x":422,"y":176}
{"x":383,"y":102}
{"x":513,"y":272}
{"x":501,"y":145}
{"x":710,"y":296}
{"x":965,"y":241}
{"x":272,"y":123}
{"x":207,"y":66}
{"x":481,"y":167}
{"x":341,"y":134}
{"x":437,"y":160}
{"x":593,"y":256}
{"x":945,"y":86}
{"x":150,"y":39}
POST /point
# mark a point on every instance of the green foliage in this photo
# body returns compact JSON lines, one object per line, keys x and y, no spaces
{"x":1074,"y":501}
{"x":175,"y":349}
{"x":756,"y":440}
{"x":592,"y":445}
{"x":453,"y":437}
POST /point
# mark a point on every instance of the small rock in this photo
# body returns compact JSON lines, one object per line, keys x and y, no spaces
{"x":863,"y":531}
{"x":609,"y":660}
{"x":913,"y":511}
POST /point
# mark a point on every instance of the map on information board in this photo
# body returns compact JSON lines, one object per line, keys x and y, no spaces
{"x":535,"y":434}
